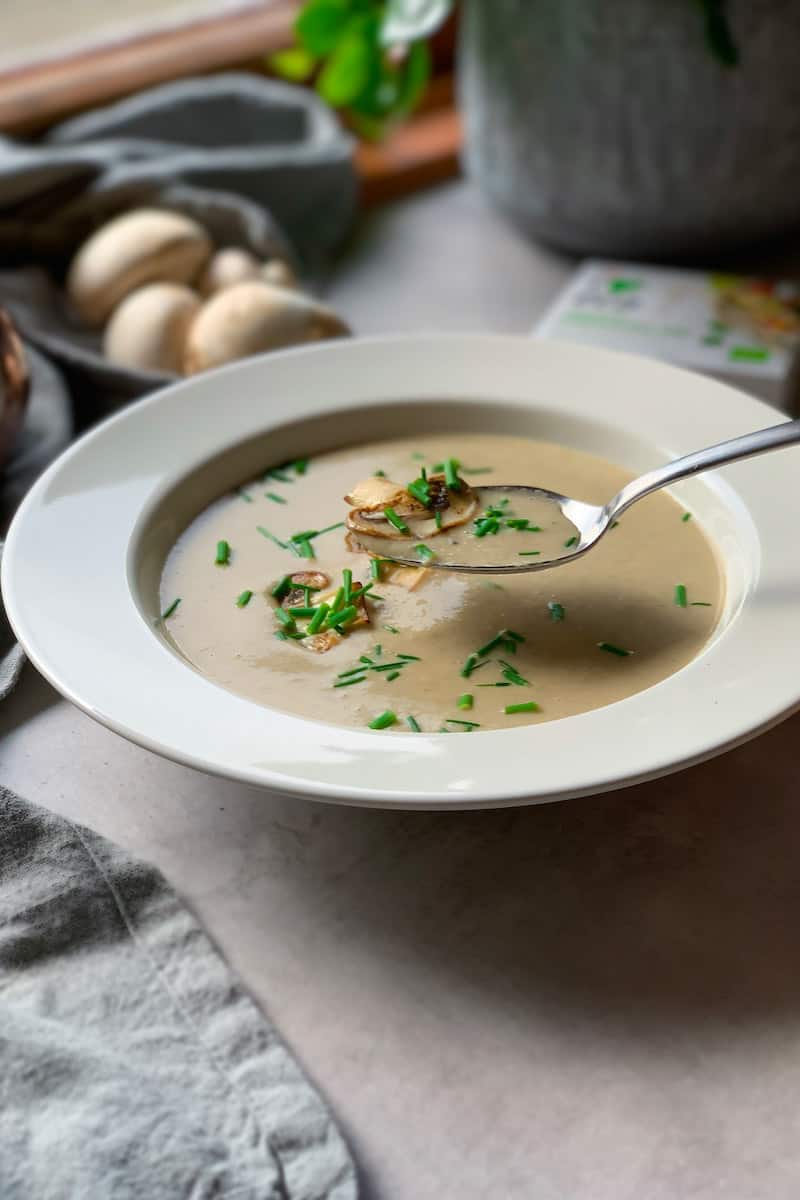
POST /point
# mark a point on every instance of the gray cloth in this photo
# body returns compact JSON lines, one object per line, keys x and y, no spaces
{"x":261,"y":164}
{"x":133,"y":1065}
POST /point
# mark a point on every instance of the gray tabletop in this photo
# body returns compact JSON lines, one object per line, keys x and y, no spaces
{"x":596,"y":1000}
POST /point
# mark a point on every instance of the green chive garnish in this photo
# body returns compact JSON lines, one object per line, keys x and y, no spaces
{"x":680,"y":595}
{"x":302,"y":548}
{"x":466,"y":724}
{"x":391,"y":628}
{"x":528,"y":553}
{"x":223,"y":554}
{"x":393,"y":519}
{"x":528,"y":706}
{"x":271,"y":537}
{"x":477,"y":470}
{"x":344,"y":616}
{"x":686,"y":516}
{"x":419,"y":457}
{"x":244,"y":598}
{"x":283,"y":616}
{"x":573,"y":541}
{"x":413,"y":724}
{"x":347,"y":584}
{"x":375,"y":568}
{"x":281,"y":588}
{"x":494,"y":685}
{"x":392,"y":675}
{"x":557,"y":611}
{"x":318,"y":620}
{"x":469,"y":666}
{"x":700,"y":604}
{"x":437,"y":516}
{"x":425,"y":552}
{"x":379,"y":474}
{"x":612,"y":649}
{"x":244,"y":495}
{"x":329,"y":528}
{"x":420,"y":489}
{"x":465,"y":701}
{"x":280,"y":635}
{"x":169,"y":611}
{"x":439,"y":467}
{"x":300,"y":466}
{"x":384,"y":720}
{"x":304,"y":535}
{"x":338,"y":600}
{"x":407,"y":657}
{"x":276,"y":498}
{"x":277,"y":473}
{"x":613,"y":525}
{"x":451,"y":466}
{"x":347,"y":682}
{"x":512,"y":674}
{"x":303,"y":610}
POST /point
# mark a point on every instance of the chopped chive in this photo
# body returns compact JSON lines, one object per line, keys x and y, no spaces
{"x":527,"y":706}
{"x":387,"y":666}
{"x":344,"y":616}
{"x":374,"y":595}
{"x":451,"y":466}
{"x":392,"y":675}
{"x":680,"y":595}
{"x":413,"y":724}
{"x":484,"y":525}
{"x":437,"y":517}
{"x":318,"y":620}
{"x":470,"y":725}
{"x":613,"y":525}
{"x":303,"y":610}
{"x":425,"y":552}
{"x":441,"y":466}
{"x":391,"y":628}
{"x":384,"y":720}
{"x":494,"y":684}
{"x":352,"y":671}
{"x":612,"y":649}
{"x":469,"y":666}
{"x":557,"y":611}
{"x":244,"y":495}
{"x":281,"y":588}
{"x":573,"y":541}
{"x":223,"y":554}
{"x":338,"y":600}
{"x":477,"y":470}
{"x":347,"y":682}
{"x":410,"y":657}
{"x":277,"y":473}
{"x":169,"y":611}
{"x":378,"y":651}
{"x":284,"y":617}
{"x":420,"y":489}
{"x":281,"y":636}
{"x":244,"y":598}
{"x":329,"y":528}
{"x":304,"y":536}
{"x":276,"y":498}
{"x":347,"y":583}
{"x":364,"y":658}
{"x":296,"y":635}
{"x":700,"y":604}
{"x":528,"y":553}
{"x":419,"y":457}
{"x":271,"y":537}
{"x":515,"y":637}
{"x":302,"y":548}
{"x":465,"y":701}
{"x":506,"y":637}
{"x":375,"y":568}
{"x":512,"y":674}
{"x":300,"y":466}
{"x":379,"y":474}
{"x":393,"y":519}
{"x":687,"y":516}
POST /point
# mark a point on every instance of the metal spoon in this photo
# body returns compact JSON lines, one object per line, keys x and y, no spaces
{"x":590,"y":521}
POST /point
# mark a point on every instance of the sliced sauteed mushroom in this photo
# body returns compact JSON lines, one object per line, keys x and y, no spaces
{"x":384,"y":509}
{"x":299,"y":582}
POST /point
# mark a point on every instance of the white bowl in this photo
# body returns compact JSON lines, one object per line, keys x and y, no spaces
{"x":85,"y":550}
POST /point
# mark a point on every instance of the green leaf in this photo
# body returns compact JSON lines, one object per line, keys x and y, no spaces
{"x":347,"y":71}
{"x":416,"y":74}
{"x":409,"y":20}
{"x":321,"y":24}
{"x":295,"y":64}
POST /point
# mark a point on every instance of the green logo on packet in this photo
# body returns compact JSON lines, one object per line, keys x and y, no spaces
{"x":617,"y":286}
{"x":748,"y":354}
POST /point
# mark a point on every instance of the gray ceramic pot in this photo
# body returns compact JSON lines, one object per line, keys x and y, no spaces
{"x":606,"y":126}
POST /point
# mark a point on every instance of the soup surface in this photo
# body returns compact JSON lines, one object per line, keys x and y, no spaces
{"x":443,"y":652}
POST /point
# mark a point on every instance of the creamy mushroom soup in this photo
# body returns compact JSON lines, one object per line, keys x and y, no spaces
{"x":268,"y":593}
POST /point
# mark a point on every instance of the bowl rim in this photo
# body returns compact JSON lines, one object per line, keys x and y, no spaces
{"x":745,"y":681}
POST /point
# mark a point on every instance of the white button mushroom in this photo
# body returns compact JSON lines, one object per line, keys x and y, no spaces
{"x":250,"y":318}
{"x":143,"y":246}
{"x":148,"y":329}
{"x":227,"y":267}
{"x":278,"y":272}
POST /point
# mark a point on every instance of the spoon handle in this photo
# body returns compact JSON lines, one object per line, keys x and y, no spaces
{"x":702,"y":460}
